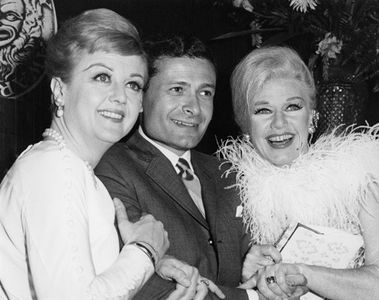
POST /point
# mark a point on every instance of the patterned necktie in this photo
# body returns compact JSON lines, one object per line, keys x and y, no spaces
{"x":191,"y":182}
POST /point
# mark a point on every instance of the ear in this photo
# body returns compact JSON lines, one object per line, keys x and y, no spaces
{"x":56,"y":86}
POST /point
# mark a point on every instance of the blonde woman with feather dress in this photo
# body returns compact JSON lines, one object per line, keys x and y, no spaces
{"x":284,"y":179}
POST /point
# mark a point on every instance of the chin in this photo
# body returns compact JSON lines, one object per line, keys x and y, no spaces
{"x":111,"y":138}
{"x":280,"y":162}
{"x":188,"y":142}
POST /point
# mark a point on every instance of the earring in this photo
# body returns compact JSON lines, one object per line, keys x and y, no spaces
{"x":59,"y":106}
{"x":311,"y":129}
{"x":313,"y":125}
{"x":59,"y":111}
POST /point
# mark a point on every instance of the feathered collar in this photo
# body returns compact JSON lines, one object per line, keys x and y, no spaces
{"x":326,"y":186}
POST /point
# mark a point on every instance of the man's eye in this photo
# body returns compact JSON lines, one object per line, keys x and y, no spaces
{"x":103,"y":77}
{"x":135,"y":86}
{"x":176,"y":89}
{"x":261,"y":111}
{"x":294,"y":107}
{"x":206,"y":93}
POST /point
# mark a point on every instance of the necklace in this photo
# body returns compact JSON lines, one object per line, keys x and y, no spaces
{"x":58,"y":138}
{"x":54,"y":135}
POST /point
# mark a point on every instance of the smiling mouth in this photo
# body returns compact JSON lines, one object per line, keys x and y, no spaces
{"x":112,"y":115}
{"x":280,"y":141}
{"x":186,"y":124}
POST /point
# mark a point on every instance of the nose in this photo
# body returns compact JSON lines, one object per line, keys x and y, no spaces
{"x":191,"y":106}
{"x":118,"y":94}
{"x":279,"y":120}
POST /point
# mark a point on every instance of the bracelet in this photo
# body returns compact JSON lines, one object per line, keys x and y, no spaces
{"x":147,"y":251}
{"x":152,"y":250}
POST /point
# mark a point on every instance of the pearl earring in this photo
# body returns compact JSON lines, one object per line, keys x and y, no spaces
{"x":311,"y":129}
{"x":59,"y":106}
{"x":59,"y":112}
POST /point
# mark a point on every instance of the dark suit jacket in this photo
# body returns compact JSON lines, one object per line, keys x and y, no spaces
{"x":144,"y":179}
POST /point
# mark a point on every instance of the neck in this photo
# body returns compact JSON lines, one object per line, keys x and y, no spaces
{"x":90,"y":152}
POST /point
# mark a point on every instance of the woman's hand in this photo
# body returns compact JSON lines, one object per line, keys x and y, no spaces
{"x":259,"y":256}
{"x":281,"y":281}
{"x":146,"y":230}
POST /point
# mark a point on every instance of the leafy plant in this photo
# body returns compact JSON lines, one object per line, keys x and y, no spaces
{"x":344,"y":34}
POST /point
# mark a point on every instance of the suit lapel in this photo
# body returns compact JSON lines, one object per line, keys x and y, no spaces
{"x":208,"y":191}
{"x":161,"y":171}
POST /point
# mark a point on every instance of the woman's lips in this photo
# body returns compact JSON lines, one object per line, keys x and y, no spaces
{"x":280,"y":141}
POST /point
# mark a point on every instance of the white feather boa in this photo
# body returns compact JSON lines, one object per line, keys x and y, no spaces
{"x":326,"y":186}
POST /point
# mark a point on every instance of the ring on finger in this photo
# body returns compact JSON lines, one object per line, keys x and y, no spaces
{"x":270,"y":279}
{"x":205,"y":281}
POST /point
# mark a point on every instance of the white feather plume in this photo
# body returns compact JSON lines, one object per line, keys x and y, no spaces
{"x":326,"y":186}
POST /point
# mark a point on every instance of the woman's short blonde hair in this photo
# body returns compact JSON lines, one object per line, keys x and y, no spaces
{"x":93,"y":30}
{"x":259,"y":66}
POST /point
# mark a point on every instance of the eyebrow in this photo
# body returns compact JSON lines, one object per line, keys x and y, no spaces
{"x":264,"y":102}
{"x":98,"y":65}
{"x":136,"y":75}
{"x":179,"y":82}
{"x":110,"y":69}
{"x":210,"y":85}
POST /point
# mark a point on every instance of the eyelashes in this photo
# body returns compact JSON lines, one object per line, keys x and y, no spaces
{"x":106,"y":78}
{"x":135,"y":86}
{"x":266,"y":110}
{"x":259,"y":111}
{"x":102,"y":77}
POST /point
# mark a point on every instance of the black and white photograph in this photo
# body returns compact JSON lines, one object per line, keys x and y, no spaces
{"x":189,"y":149}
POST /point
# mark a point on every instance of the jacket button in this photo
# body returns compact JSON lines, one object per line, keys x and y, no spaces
{"x":210,"y":242}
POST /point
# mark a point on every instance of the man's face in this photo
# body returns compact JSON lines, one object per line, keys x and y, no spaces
{"x":11,"y":18}
{"x":178,"y":105}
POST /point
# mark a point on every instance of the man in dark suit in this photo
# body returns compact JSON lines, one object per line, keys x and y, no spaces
{"x":143,"y":172}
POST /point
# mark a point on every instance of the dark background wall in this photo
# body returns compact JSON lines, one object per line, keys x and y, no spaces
{"x":23,"y":120}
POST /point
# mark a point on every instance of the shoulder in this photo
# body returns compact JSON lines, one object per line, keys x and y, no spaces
{"x":206,"y":160}
{"x":119,"y":157}
{"x":216,"y":167}
{"x":44,"y":162}
{"x":42,"y":174}
{"x":135,"y":147}
{"x":357,"y":148}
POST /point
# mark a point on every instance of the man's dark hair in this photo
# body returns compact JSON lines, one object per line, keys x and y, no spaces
{"x":174,"y":47}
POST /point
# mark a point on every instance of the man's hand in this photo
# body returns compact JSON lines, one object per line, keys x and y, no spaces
{"x":187,"y":291}
{"x":146,"y":229}
{"x":170,"y":268}
{"x":190,"y":285}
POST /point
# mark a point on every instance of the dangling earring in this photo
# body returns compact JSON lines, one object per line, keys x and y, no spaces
{"x":59,"y":106}
{"x":59,"y":112}
{"x":311,"y":128}
{"x":313,"y":125}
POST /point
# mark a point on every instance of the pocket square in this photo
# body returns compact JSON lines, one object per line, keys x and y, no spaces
{"x":239,"y":211}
